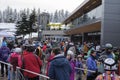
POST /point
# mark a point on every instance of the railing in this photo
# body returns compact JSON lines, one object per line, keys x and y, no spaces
{"x":85,"y":23}
{"x":19,"y":75}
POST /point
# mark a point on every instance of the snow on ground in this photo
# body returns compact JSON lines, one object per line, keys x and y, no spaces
{"x":10,"y":27}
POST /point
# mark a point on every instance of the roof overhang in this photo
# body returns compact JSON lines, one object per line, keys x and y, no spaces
{"x":85,"y":7}
{"x":85,"y":29}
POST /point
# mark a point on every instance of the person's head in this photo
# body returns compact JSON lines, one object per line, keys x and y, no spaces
{"x":93,"y":53}
{"x":70,"y":55}
{"x":108,"y":47}
{"x":56,"y":51}
{"x":79,"y":57}
{"x":4,"y":39}
{"x":24,"y":47}
{"x":109,"y":65}
{"x":30,"y":48}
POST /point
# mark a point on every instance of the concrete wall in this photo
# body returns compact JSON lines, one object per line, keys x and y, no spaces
{"x":110,"y":27}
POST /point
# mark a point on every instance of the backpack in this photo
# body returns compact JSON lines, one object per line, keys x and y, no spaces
{"x":39,"y":52}
{"x":5,"y":54}
{"x":14,"y":62}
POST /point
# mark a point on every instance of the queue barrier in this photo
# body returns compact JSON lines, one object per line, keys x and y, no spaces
{"x":41,"y":76}
{"x":19,"y":75}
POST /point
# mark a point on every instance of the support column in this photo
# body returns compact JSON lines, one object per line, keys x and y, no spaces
{"x":110,"y":27}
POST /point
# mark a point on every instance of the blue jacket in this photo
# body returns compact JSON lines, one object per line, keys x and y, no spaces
{"x":60,"y":69}
{"x":91,"y":65}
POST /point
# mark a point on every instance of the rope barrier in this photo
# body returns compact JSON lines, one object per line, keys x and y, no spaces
{"x":85,"y":69}
{"x":41,"y":74}
{"x":27,"y":70}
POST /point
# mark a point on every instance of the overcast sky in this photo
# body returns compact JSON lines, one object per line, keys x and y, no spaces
{"x":44,"y":5}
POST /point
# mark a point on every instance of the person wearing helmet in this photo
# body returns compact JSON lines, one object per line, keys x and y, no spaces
{"x":108,"y":53}
{"x":110,"y":68}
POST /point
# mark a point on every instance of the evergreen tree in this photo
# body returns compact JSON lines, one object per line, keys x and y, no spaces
{"x":66,"y":14}
{"x":28,"y":13}
{"x":32,"y":22}
{"x":51,"y":17}
{"x":0,"y":17}
{"x":9,"y":16}
{"x":15,"y":16}
{"x":4,"y":16}
{"x":22,"y":26}
{"x":38,"y":16}
{"x":56,"y":16}
{"x":60,"y":17}
{"x":62,"y":14}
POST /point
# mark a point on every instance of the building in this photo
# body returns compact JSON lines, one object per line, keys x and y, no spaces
{"x":56,"y":32}
{"x":46,"y":32}
{"x":95,"y":20}
{"x":43,"y":20}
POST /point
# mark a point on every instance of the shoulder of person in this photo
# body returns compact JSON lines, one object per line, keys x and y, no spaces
{"x":59,"y":57}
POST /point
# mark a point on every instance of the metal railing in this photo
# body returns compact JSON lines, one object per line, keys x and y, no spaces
{"x":19,"y":75}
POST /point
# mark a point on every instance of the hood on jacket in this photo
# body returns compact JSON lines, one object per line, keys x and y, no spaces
{"x":60,"y":61}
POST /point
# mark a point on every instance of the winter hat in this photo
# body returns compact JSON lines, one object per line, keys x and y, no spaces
{"x":110,"y":64}
{"x":69,"y":52}
{"x":18,"y":50}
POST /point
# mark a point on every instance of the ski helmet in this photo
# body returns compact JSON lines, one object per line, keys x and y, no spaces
{"x":108,"y":46}
{"x":110,"y":64}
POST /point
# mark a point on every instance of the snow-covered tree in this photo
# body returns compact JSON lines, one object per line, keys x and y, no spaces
{"x":10,"y":15}
{"x":66,"y":14}
{"x":22,"y":26}
{"x":15,"y":16}
{"x":38,"y":16}
{"x":56,"y":16}
{"x":0,"y":16}
{"x":32,"y":21}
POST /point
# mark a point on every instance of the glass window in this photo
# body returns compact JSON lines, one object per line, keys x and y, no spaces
{"x":93,"y":14}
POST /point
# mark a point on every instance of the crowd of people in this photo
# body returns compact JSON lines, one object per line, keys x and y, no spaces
{"x":65,"y":61}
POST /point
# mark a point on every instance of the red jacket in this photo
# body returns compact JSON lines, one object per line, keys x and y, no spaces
{"x":32,"y":63}
{"x":44,"y":48}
